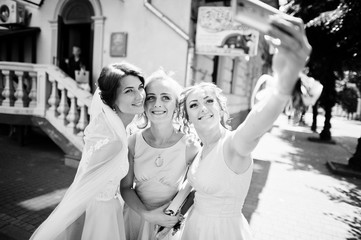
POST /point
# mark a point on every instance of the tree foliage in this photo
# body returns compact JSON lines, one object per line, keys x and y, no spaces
{"x":333,"y":28}
{"x":348,"y":98}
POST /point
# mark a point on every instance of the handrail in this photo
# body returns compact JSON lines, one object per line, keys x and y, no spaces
{"x":45,"y":91}
{"x":54,"y":72}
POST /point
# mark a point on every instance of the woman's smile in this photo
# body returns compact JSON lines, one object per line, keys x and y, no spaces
{"x":158,"y":112}
{"x":206,"y":116}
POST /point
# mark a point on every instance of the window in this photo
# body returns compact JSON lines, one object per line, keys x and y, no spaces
{"x":225,"y":73}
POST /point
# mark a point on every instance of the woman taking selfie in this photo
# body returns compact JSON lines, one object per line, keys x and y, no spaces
{"x":221,"y":172}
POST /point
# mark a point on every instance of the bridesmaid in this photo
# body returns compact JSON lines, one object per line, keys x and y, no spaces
{"x":221,"y":172}
{"x":158,"y":158}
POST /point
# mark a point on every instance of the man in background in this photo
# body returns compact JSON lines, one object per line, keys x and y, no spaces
{"x":75,"y":62}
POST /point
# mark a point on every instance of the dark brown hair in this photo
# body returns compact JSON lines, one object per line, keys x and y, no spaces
{"x":110,"y":77}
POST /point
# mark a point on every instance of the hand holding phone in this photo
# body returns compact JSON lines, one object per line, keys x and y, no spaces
{"x":255,"y":14}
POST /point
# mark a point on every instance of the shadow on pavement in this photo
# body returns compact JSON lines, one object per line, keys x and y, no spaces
{"x":33,"y":179}
{"x":350,"y":196}
{"x":311,"y":156}
{"x":303,"y":154}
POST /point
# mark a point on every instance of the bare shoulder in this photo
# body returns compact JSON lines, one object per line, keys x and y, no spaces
{"x":131,"y":143}
{"x":192,"y":142}
{"x":193,"y":146}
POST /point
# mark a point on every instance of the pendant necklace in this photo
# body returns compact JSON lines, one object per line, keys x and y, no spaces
{"x":159,"y":161}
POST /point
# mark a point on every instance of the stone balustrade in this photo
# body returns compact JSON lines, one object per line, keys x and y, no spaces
{"x":45,"y":91}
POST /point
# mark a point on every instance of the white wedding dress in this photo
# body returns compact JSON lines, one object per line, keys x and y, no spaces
{"x":92,"y":194}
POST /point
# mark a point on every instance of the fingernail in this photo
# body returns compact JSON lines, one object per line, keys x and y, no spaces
{"x":276,"y":41}
{"x":267,"y":38}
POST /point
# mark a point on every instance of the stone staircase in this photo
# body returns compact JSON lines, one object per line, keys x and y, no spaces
{"x":46,"y":97}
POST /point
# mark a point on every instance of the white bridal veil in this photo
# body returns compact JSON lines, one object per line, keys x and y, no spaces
{"x":104,"y":158}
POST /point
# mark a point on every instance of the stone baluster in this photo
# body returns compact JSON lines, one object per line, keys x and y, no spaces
{"x":73,"y":114}
{"x":8,"y":92}
{"x":83,"y":120}
{"x":1,"y":87}
{"x":33,"y":90}
{"x":54,"y":96}
{"x":20,"y":94}
{"x":63,"y":107}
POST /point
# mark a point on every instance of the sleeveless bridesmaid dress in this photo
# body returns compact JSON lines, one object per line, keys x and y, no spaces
{"x":159,"y":173}
{"x":220,"y":195}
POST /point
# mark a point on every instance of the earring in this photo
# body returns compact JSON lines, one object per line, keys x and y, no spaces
{"x":115,"y":108}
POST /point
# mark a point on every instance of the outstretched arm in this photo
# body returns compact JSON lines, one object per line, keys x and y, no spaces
{"x":291,"y":56}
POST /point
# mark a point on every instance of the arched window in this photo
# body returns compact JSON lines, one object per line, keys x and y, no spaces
{"x":79,"y":11}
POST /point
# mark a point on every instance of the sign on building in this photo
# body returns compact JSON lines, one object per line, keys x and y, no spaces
{"x":218,"y":34}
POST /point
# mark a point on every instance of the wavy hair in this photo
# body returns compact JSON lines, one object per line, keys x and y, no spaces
{"x":183,"y":117}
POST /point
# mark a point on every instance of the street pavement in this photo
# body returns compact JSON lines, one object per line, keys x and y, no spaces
{"x":293,"y":195}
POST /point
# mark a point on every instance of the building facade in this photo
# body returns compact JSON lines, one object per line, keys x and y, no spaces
{"x":149,"y":34}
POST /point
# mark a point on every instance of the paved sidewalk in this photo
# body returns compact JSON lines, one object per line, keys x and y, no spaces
{"x":33,"y":179}
{"x":292,"y":196}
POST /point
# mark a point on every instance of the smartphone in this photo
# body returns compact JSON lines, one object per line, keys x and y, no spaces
{"x":254,"y":13}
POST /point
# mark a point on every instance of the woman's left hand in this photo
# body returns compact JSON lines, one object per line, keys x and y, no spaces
{"x":157,"y":216}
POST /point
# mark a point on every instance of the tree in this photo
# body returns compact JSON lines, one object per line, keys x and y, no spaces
{"x":333,"y":30}
{"x":348,"y":98}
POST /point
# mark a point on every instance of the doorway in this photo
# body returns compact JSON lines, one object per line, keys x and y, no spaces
{"x":75,"y":28}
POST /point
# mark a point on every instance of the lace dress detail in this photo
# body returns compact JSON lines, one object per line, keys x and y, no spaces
{"x":110,"y":190}
{"x":89,"y":152}
{"x":103,"y":218}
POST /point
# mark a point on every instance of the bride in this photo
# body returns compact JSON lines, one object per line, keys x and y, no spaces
{"x":90,"y":208}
